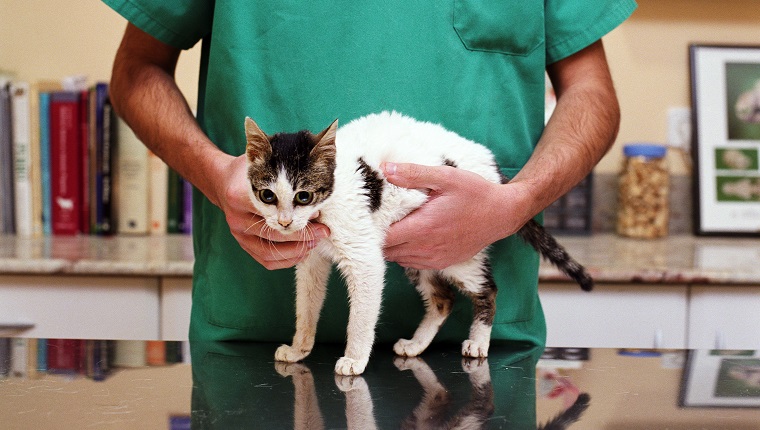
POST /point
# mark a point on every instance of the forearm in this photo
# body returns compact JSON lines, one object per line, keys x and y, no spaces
{"x":581,"y":130}
{"x":145,"y":94}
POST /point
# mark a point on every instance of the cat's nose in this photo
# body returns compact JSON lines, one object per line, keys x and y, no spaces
{"x":284,"y":222}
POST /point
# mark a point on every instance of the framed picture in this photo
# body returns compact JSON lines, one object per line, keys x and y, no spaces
{"x":721,"y":378}
{"x":726,"y":113}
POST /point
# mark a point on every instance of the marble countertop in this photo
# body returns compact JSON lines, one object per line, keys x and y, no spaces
{"x":678,"y":259}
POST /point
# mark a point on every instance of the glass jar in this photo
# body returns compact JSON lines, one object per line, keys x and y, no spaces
{"x":643,"y":195}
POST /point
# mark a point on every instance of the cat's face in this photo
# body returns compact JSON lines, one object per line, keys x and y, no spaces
{"x":291,"y":174}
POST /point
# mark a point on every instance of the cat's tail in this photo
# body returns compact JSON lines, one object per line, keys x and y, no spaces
{"x":570,"y":415}
{"x":535,"y":235}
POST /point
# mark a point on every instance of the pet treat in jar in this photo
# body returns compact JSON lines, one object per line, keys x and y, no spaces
{"x":643,"y":199}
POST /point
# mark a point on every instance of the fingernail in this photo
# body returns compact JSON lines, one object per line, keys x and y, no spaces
{"x":390,"y":168}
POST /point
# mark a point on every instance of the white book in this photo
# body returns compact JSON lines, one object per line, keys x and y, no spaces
{"x":22,"y":158}
{"x":159,"y":185}
{"x":19,"y":357}
{"x":132,"y":183}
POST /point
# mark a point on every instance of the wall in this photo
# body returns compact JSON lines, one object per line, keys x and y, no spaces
{"x":649,"y":59}
{"x":648,"y":54}
{"x":42,"y":39}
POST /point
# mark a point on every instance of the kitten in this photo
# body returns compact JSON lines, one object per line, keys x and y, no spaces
{"x":337,"y":174}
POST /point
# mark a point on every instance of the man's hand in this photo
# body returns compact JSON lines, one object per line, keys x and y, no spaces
{"x":270,"y":248}
{"x":464,"y":214}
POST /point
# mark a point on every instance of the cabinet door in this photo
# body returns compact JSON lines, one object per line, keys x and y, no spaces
{"x":615,"y":316}
{"x":79,"y":307}
{"x":176,"y":299}
{"x":723,"y":317}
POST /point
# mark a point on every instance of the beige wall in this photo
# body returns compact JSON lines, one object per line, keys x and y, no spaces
{"x":648,"y":54}
{"x":43,"y":39}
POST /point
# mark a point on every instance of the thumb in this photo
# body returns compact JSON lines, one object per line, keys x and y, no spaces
{"x":415,"y":176}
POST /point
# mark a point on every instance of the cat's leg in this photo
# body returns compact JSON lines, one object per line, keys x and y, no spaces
{"x":475,"y":279}
{"x":311,"y":286}
{"x":438,"y":297}
{"x":364,"y":272}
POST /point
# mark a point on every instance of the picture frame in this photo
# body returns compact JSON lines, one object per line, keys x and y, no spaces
{"x":721,"y":378}
{"x":725,"y":83}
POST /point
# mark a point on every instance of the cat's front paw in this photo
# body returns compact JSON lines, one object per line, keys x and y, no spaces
{"x":348,"y":366}
{"x":289,"y":354}
{"x":407,"y":363}
{"x":350,"y":383}
{"x":471,"y":348}
{"x":408,"y":348}
{"x":286,"y":369}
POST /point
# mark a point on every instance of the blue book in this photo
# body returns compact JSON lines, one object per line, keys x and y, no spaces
{"x":47,"y":213}
{"x":42,"y":355}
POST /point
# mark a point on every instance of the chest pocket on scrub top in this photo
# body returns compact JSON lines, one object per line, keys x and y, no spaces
{"x":514,"y":27}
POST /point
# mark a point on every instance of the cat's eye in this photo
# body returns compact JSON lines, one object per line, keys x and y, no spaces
{"x":303,"y":197}
{"x":267,"y":196}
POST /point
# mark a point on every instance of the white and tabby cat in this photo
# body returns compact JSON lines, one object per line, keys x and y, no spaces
{"x":337,"y":173}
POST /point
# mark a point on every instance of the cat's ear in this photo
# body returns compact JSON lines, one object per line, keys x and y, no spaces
{"x":258,"y":143}
{"x":325,"y":141}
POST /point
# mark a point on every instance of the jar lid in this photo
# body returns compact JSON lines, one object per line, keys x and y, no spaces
{"x":651,"y":150}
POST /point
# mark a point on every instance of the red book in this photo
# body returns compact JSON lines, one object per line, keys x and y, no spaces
{"x":63,"y":355}
{"x":65,"y":163}
{"x":84,"y":138}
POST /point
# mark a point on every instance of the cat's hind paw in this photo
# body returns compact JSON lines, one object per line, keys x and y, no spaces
{"x":471,"y":348}
{"x":408,"y":348}
{"x":289,"y":354}
{"x":348,"y":366}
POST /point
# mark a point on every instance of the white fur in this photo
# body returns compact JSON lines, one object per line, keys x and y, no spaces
{"x":357,"y":234}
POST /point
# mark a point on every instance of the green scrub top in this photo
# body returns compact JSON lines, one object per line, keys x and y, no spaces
{"x":475,"y":67}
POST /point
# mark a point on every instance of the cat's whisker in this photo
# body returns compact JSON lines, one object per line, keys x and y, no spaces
{"x":254,"y":224}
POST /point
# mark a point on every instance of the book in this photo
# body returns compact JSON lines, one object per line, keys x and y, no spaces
{"x":7,"y":217}
{"x":129,"y":353}
{"x":173,"y":205}
{"x":5,"y":357}
{"x":22,"y":161}
{"x":64,"y":356}
{"x":131,"y":192}
{"x":101,"y":198}
{"x":65,"y":166}
{"x":187,"y":215}
{"x":45,"y":178}
{"x":19,"y":357}
{"x":158,"y":184}
{"x":84,"y":139}
{"x":155,"y":352}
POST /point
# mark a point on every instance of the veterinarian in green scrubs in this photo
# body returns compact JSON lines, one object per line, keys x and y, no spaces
{"x":475,"y":67}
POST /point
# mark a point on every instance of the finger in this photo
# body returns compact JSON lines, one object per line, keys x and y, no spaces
{"x":278,"y":255}
{"x":415,"y":176}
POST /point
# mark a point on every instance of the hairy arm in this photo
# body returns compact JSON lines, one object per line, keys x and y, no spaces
{"x":583,"y":127}
{"x":145,"y":94}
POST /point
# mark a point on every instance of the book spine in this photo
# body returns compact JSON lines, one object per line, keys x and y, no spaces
{"x":22,"y":162}
{"x":65,"y":163}
{"x":7,"y":217}
{"x":131,"y":195}
{"x":46,"y":202}
{"x":155,"y":352}
{"x":84,"y":139}
{"x":19,"y":357}
{"x":35,"y":173}
{"x":187,"y":215}
{"x":174,"y":203}
{"x":159,"y":175}
{"x":106,"y":224}
{"x":63,"y":356}
{"x":5,"y":357}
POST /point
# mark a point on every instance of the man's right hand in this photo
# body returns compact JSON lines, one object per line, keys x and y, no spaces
{"x":271,"y":249}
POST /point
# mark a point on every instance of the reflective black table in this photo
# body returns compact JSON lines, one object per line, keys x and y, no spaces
{"x":238,"y":385}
